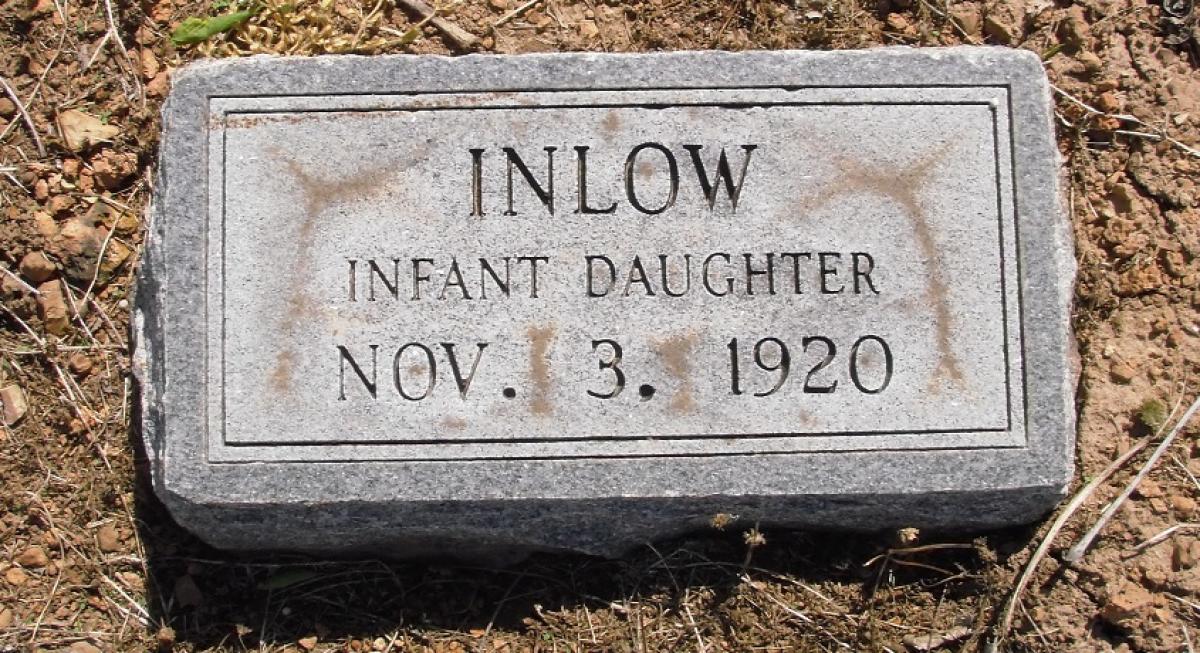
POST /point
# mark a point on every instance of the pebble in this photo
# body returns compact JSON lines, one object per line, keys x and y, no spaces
{"x":968,"y":18}
{"x":36,"y":267}
{"x":16,"y":576}
{"x":1126,"y":605}
{"x":111,"y":169}
{"x":1108,"y":102}
{"x":1183,"y":506}
{"x":83,"y":647}
{"x":1148,"y":489}
{"x":45,"y":225}
{"x":6,"y":618}
{"x":33,"y":557}
{"x":1121,"y":372}
{"x":52,"y":306}
{"x":13,"y":398}
{"x":7,"y":108}
{"x":1184,"y":553}
{"x":80,"y":363}
{"x":149,"y":63}
{"x":108,"y":538}
{"x":1074,"y":29}
{"x":1092,"y":64}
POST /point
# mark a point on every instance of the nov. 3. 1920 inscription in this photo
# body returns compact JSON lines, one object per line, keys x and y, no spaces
{"x":413,"y":305}
{"x":615,"y":272}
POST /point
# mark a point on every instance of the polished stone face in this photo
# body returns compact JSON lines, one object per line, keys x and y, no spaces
{"x":393,"y":296}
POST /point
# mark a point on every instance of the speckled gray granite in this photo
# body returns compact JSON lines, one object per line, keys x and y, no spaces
{"x":476,"y":306}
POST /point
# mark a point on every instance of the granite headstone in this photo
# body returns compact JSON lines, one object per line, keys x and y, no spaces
{"x":410,"y":304}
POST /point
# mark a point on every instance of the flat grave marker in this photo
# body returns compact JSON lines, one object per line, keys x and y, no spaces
{"x":578,"y":302}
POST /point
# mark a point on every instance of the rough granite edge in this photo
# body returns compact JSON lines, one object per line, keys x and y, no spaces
{"x":148,"y":321}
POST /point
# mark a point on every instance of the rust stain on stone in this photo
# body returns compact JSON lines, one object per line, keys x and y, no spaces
{"x":316,"y":195}
{"x":455,"y":423}
{"x":903,"y":185}
{"x":539,"y":368}
{"x":675,"y":353}
{"x":645,"y":169}
{"x":611,"y":122}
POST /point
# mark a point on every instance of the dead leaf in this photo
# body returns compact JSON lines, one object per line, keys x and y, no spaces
{"x":79,"y":129}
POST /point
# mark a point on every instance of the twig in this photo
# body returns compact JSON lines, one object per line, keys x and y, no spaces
{"x":515,"y":13}
{"x":62,"y":37}
{"x":19,"y":280}
{"x":1075,"y":553}
{"x":1128,"y":118}
{"x":463,"y":39}
{"x":1164,"y":535}
{"x":87,"y":294}
{"x":1006,"y":616}
{"x":116,"y":36}
{"x":792,"y":611}
{"x":37,"y":140}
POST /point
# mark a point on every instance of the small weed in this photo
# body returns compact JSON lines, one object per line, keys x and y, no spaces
{"x":1153,"y":414}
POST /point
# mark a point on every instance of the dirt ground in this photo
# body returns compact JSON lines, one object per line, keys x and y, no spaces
{"x":90,"y":562}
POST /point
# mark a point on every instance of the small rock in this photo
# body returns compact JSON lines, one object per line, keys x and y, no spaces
{"x":1148,"y":489}
{"x":41,"y":190}
{"x":157,"y":87}
{"x":499,"y":4}
{"x":16,"y":576}
{"x":79,"y":363}
{"x":1003,"y":26}
{"x":7,"y":108}
{"x":83,"y":647}
{"x":1184,"y":553}
{"x":6,"y":618}
{"x":307,"y":643}
{"x":898,"y":23}
{"x":1183,"y":506}
{"x":79,"y":130}
{"x":46,"y":226}
{"x":1108,"y":102}
{"x":15,"y":406}
{"x":906,"y":537}
{"x":165,"y":638}
{"x":34,"y":557}
{"x":52,"y":305}
{"x":1074,"y":29}
{"x":77,"y":248}
{"x":968,"y":18}
{"x":149,"y":63}
{"x":108,"y":538}
{"x":933,"y":641}
{"x":1127,"y":605}
{"x":1124,"y":198}
{"x":36,"y":267}
{"x":1122,"y":372}
{"x":1092,"y":64}
{"x":70,"y":168}
{"x":127,"y":224}
{"x":588,"y":29}
{"x":112,"y":169}
{"x":60,"y":205}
